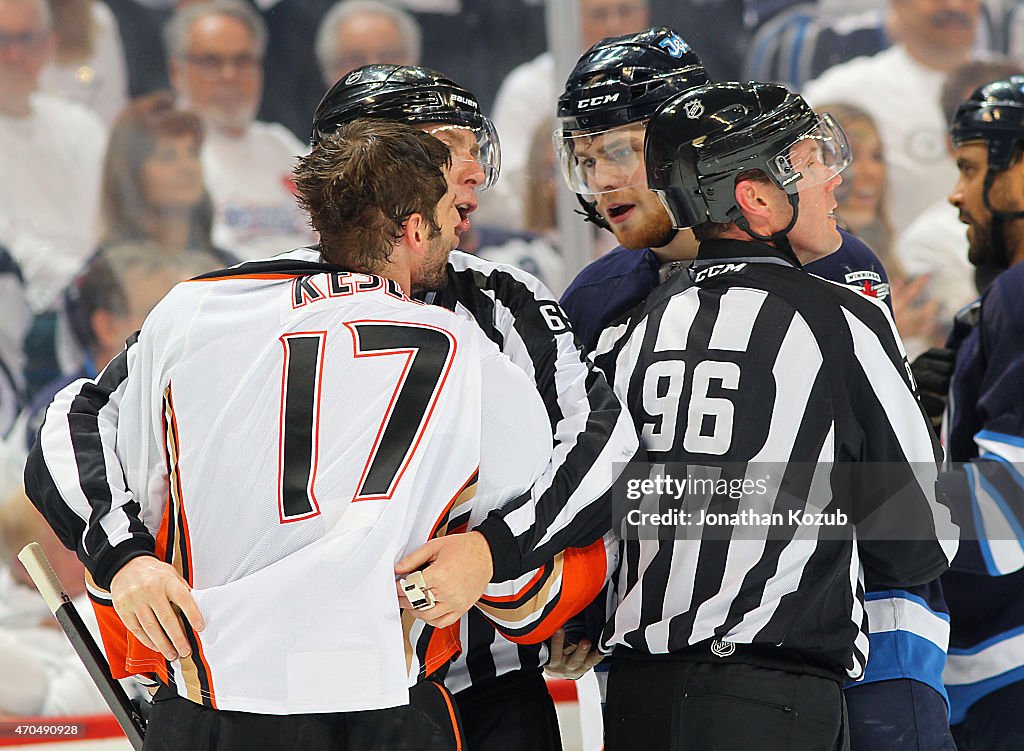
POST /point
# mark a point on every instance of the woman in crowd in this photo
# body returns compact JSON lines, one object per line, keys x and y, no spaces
{"x":152,"y":196}
{"x":153,"y":180}
{"x":861,"y":210}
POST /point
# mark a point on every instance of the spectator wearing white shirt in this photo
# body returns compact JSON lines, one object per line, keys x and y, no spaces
{"x":899,"y":88}
{"x":40,"y":674}
{"x":88,"y":65}
{"x":14,"y":324}
{"x":935,"y":244}
{"x":216,"y":62}
{"x":51,"y":150}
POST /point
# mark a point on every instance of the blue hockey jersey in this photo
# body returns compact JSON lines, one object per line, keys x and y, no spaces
{"x":985,"y":431}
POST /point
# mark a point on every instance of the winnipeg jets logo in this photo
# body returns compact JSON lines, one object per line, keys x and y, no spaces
{"x":673,"y":45}
{"x":868,"y":283}
{"x":694,"y":109}
{"x":353,"y":77}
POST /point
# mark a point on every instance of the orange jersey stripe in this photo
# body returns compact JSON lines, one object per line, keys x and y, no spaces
{"x":243,"y":276}
{"x":583,"y":573}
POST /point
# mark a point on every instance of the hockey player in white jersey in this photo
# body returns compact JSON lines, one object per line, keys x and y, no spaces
{"x":500,"y":681}
{"x":285,"y":432}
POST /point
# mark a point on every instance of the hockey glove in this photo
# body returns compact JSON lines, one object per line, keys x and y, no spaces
{"x":933,"y":371}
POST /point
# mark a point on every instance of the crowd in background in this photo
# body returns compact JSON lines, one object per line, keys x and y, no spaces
{"x":146,"y":141}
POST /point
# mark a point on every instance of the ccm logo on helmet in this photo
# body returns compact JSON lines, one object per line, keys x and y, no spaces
{"x":596,"y":101}
{"x":725,"y":268}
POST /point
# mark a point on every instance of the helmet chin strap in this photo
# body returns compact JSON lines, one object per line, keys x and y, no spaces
{"x":780,"y":238}
{"x":999,"y":221}
{"x":592,"y":215}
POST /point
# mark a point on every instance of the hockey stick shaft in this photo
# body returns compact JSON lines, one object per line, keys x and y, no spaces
{"x":50,"y":587}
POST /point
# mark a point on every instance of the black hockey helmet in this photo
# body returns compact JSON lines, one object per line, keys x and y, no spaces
{"x":412,"y":95}
{"x":619,"y":81}
{"x":700,"y":141}
{"x":994,"y":113}
{"x":625,"y":79}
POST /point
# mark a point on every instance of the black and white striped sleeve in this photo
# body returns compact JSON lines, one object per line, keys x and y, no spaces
{"x":902,"y":493}
{"x":76,"y":479}
{"x":570,"y":505}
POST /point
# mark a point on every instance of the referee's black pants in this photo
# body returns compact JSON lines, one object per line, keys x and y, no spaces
{"x":428,"y":723}
{"x":513,"y":712}
{"x":674,"y":704}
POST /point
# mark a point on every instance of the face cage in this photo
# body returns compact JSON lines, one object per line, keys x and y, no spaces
{"x":612,"y":159}
{"x":489,"y":156}
{"x":798,"y":166}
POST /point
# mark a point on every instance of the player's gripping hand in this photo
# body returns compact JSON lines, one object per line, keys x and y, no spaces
{"x":933,"y":371}
{"x":570,"y":660}
{"x":458,"y":568}
{"x":147,"y":595}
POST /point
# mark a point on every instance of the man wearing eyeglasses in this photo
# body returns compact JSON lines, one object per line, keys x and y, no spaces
{"x":216,"y":62}
{"x":363,"y":32}
{"x":51,"y":151}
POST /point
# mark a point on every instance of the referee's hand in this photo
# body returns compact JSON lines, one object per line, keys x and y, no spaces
{"x":458,"y":568}
{"x":148,"y":595}
{"x":568,"y":660}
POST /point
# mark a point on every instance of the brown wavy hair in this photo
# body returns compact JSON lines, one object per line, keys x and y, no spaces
{"x":361,"y":184}
{"x":126,"y":214}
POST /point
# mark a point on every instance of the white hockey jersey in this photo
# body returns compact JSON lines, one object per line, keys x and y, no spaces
{"x":287,"y":436}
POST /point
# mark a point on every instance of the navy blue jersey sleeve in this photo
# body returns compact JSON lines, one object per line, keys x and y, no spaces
{"x":606,"y":289}
{"x":985,"y":424}
{"x":856,"y":266}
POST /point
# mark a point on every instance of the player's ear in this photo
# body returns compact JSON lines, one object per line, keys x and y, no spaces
{"x":753,"y":200}
{"x":416,"y":233}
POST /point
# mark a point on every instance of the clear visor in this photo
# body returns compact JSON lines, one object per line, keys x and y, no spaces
{"x":474,"y":150}
{"x":816,"y":157}
{"x":602,"y":161}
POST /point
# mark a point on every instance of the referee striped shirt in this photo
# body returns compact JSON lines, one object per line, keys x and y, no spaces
{"x":569,"y":506}
{"x":749,"y":362}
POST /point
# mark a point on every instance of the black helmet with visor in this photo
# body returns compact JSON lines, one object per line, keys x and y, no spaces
{"x":701,"y":141}
{"x":412,"y":95}
{"x":617,"y":83}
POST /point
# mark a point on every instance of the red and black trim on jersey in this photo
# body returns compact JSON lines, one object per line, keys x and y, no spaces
{"x":432,"y":649}
{"x":173,"y":546}
{"x":557,"y":592}
{"x":126,"y":654}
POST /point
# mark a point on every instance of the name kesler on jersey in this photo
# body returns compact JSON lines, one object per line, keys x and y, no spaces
{"x":306,"y":289}
{"x":868,"y":283}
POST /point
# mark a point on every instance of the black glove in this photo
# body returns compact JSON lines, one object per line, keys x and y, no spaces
{"x":933,"y":371}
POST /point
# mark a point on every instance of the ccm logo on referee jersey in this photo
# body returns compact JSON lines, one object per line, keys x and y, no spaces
{"x":712,"y":271}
